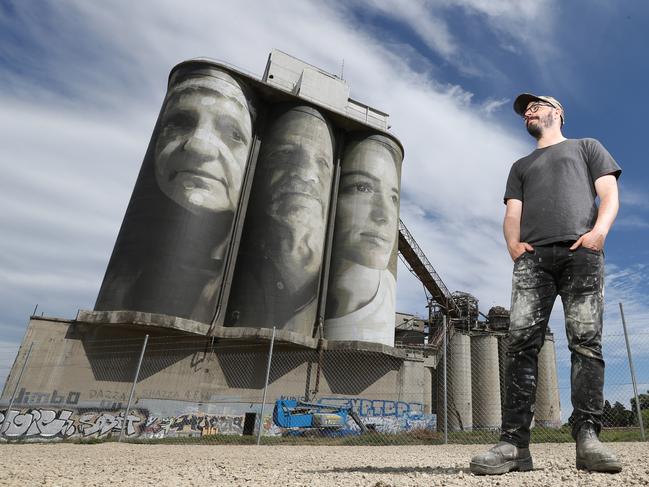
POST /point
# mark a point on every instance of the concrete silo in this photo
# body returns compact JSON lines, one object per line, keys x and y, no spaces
{"x":363,"y":263}
{"x":485,"y":381}
{"x":498,"y":323}
{"x":548,"y":409}
{"x":460,"y":414}
{"x":174,"y":244}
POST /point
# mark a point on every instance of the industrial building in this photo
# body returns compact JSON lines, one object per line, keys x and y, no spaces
{"x":266,"y":211}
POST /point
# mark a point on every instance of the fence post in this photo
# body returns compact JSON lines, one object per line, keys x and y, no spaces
{"x":635,"y":387}
{"x":13,"y":394}
{"x":445,"y":386}
{"x":130,"y":397}
{"x":263,"y":400}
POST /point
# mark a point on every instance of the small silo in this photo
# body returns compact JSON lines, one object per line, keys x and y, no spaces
{"x":498,"y":322}
{"x":485,"y":381}
{"x":460,"y":414}
{"x":548,"y":409}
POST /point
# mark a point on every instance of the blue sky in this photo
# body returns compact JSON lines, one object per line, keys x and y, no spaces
{"x":81,"y":84}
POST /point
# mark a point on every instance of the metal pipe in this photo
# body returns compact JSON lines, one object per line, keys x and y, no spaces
{"x":329,"y":238}
{"x":13,"y":394}
{"x":263,"y":400}
{"x":130,"y":397}
{"x":237,"y":227}
{"x":635,"y":386}
{"x":445,"y":386}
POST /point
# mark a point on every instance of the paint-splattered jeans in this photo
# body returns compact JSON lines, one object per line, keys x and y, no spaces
{"x":578,"y":277}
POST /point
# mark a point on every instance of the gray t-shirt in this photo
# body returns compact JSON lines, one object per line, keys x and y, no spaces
{"x":557,"y":187}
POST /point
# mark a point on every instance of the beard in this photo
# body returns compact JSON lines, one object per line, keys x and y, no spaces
{"x":536,"y":127}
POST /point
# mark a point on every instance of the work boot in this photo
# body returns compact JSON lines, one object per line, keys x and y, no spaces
{"x":592,"y":455}
{"x":502,"y":458}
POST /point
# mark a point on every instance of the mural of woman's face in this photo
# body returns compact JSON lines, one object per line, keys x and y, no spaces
{"x":203,"y":143}
{"x":368,"y":203}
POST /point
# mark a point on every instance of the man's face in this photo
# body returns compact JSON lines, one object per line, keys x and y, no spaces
{"x":368,"y":203}
{"x":203,"y":144}
{"x":297,"y":161}
{"x":538,"y":117}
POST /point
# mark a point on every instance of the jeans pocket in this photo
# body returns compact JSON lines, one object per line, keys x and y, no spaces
{"x":520,"y":257}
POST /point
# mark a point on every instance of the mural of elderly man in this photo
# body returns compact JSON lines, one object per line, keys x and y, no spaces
{"x":170,"y":253}
{"x":278,"y":269}
{"x":361,"y":295}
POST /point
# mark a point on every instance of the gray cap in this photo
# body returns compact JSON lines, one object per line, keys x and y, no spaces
{"x":522,"y":100}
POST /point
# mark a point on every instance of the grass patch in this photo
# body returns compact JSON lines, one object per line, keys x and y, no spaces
{"x":312,"y":437}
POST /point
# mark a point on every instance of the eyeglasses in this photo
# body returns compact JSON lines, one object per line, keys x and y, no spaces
{"x":534,"y":107}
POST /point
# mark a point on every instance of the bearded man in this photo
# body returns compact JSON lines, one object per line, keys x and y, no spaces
{"x":555,"y":234}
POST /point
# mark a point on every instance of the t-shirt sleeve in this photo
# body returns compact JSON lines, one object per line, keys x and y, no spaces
{"x":600,"y":162}
{"x":514,"y":189}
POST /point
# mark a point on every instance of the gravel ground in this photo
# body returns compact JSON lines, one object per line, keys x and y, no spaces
{"x":164,"y":465}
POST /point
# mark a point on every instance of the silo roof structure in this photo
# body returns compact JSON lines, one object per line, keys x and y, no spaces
{"x":287,"y":78}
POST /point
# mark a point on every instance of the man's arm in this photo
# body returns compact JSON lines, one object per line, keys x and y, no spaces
{"x":512,"y":229}
{"x":606,"y":188}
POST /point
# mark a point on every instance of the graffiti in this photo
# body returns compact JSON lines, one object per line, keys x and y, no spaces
{"x":408,"y":422}
{"x":53,"y":424}
{"x":375,"y":407}
{"x":159,"y":394}
{"x":51,"y":398}
{"x":107,"y":395}
{"x":64,"y":423}
{"x":197,"y":396}
{"x":43,"y":423}
{"x":156,"y":427}
{"x":382,"y":415}
{"x":100,"y":424}
{"x":192,"y":424}
{"x":369,"y":407}
{"x":293,"y":398}
{"x":203,"y":424}
{"x":270,"y":428}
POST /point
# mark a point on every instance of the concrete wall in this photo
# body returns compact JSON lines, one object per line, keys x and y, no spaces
{"x":80,"y":368}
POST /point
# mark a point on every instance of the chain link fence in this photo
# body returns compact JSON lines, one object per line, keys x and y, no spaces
{"x":179,"y":389}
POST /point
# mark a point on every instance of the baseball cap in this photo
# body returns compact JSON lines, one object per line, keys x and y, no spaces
{"x":522,"y":100}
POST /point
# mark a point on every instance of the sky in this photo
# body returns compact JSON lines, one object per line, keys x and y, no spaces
{"x":81,"y":84}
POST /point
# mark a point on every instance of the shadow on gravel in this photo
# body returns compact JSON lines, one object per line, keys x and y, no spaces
{"x":428,"y":470}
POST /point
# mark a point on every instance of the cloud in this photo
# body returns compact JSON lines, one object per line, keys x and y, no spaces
{"x":518,"y":30}
{"x":634,"y":197}
{"x":420,"y":17}
{"x":490,"y":105}
{"x":81,"y":134}
{"x":632,"y":222}
{"x":528,"y":23}
{"x":8,"y":352}
{"x":83,"y":86}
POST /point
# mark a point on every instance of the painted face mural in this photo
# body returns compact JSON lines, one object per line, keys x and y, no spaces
{"x":279,"y":264}
{"x":297,"y":162}
{"x":203,"y":144}
{"x":368,"y":207}
{"x":361,"y":295}
{"x":170,"y":255}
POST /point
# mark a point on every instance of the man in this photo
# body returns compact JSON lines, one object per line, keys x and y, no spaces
{"x":555,"y":235}
{"x":278,"y":267}
{"x":361,"y":294}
